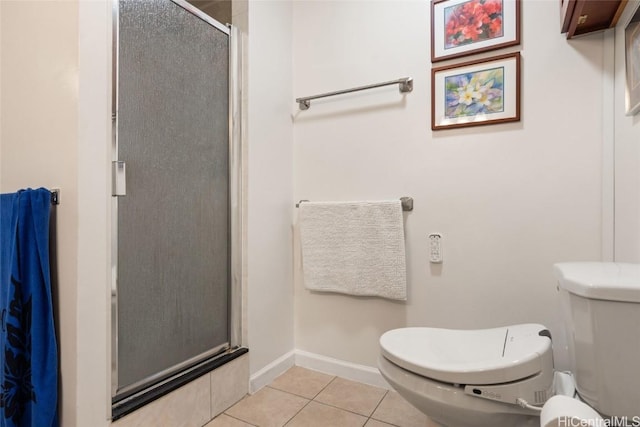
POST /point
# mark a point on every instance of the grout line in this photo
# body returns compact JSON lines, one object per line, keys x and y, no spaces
{"x":236,"y":418}
{"x":326,"y":385}
{"x":284,"y":391}
{"x":299,"y":395}
{"x":342,"y":409}
{"x":211,"y":396}
{"x":374,"y":409}
{"x":296,"y":414}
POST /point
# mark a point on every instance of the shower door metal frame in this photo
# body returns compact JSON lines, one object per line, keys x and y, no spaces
{"x":235,"y":210}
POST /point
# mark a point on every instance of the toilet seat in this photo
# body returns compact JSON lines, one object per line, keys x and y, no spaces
{"x":485,"y":356}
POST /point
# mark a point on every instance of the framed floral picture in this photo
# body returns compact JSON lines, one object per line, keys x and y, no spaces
{"x":632,"y":55}
{"x":476,"y":93}
{"x":464,"y":27}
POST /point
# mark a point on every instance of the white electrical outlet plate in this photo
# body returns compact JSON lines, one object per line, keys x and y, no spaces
{"x":435,"y":248}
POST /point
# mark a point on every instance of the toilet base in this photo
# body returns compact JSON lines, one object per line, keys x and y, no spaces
{"x":450,"y":406}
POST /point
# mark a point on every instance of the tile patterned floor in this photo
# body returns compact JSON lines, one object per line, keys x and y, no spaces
{"x":304,"y":398}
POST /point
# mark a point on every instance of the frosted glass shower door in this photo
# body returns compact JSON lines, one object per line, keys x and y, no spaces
{"x":173,"y":250}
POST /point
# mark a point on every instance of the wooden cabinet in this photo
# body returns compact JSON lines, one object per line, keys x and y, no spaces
{"x":578,"y":17}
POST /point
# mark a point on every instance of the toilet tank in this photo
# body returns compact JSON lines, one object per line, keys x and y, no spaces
{"x":601,"y":307}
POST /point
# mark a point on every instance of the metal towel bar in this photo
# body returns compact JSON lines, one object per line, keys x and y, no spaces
{"x":405,"y":85}
{"x":406,"y":202}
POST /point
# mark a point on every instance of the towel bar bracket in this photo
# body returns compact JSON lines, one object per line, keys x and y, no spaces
{"x":55,"y":196}
{"x":406,"y":85}
{"x":407,"y":203}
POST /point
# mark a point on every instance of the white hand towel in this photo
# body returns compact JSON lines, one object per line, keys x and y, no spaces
{"x":354,"y":248}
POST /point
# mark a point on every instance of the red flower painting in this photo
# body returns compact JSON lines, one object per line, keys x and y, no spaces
{"x":473,"y":21}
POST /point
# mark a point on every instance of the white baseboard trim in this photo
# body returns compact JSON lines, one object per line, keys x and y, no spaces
{"x":270,"y":372}
{"x":351,"y":371}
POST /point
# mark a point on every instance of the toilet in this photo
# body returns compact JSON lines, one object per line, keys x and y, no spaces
{"x":503,"y":376}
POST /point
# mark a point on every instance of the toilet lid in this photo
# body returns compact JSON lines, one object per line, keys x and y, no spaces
{"x":486,"y":356}
{"x":611,"y":281}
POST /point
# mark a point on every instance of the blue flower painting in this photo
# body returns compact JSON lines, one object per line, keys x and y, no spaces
{"x":635,"y":57}
{"x":471,"y":94}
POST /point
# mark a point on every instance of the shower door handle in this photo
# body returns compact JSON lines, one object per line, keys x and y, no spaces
{"x":119,"y":178}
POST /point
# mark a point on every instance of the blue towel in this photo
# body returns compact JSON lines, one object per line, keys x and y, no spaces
{"x":28,"y":349}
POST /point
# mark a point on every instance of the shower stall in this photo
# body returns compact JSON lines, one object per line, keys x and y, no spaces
{"x":176,"y":199}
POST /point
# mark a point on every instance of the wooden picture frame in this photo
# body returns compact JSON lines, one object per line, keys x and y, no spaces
{"x":466,"y":27}
{"x":632,"y":59}
{"x":475,"y":93}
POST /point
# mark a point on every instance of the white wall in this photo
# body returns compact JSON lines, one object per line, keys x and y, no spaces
{"x":270,"y":288}
{"x":56,"y":133}
{"x":39,"y":144}
{"x":510,"y":200}
{"x":627,"y":158}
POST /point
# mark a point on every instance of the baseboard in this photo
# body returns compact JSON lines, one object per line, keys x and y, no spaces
{"x":270,"y":372}
{"x":317,"y":362}
{"x":351,"y":371}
